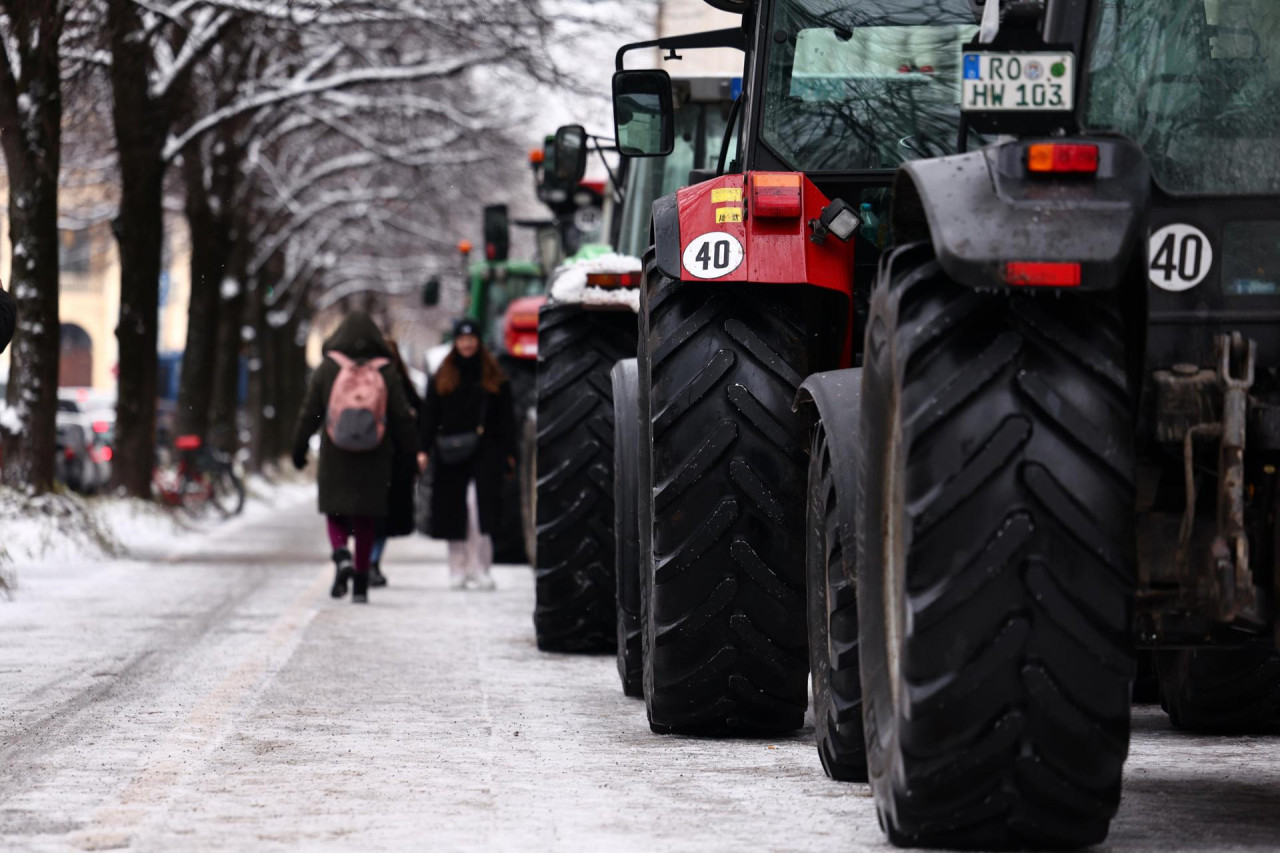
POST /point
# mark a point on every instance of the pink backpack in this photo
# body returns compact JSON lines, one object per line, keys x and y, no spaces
{"x":357,"y":417}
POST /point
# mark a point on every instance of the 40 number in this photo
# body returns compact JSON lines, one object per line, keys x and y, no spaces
{"x":1181,"y":256}
{"x":713,"y":255}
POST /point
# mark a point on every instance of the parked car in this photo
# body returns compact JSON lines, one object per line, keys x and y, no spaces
{"x":102,"y":429}
{"x":75,"y":466}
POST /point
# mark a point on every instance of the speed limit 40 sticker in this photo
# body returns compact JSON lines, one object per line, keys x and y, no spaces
{"x":1181,"y":256}
{"x":713,"y":255}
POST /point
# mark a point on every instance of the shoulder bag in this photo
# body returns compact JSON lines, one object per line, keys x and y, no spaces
{"x":456,"y":448}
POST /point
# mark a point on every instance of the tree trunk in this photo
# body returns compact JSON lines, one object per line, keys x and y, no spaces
{"x":33,"y":373}
{"x":140,"y":233}
{"x":210,"y":249}
{"x":141,"y":126}
{"x":223,"y":428}
{"x":293,"y":378}
{"x":260,"y":358}
{"x":31,"y":115}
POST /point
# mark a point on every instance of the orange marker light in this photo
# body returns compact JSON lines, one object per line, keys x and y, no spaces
{"x":775,"y":195}
{"x":537,"y":156}
{"x":465,"y":247}
{"x":1030,"y":274}
{"x":1058,"y":159}
{"x":629,"y":279}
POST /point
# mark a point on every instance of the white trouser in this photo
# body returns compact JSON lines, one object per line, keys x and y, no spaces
{"x":471,"y":557}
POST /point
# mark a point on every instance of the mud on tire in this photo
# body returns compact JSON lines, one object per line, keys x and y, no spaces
{"x":723,"y":501}
{"x":996,"y":564}
{"x":575,"y":583}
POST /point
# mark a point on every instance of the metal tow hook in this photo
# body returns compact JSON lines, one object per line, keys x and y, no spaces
{"x":1236,"y":593}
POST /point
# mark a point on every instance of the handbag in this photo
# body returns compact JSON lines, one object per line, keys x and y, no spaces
{"x":459,"y":447}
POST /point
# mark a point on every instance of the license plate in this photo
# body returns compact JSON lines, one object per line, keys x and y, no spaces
{"x":1018,"y":82}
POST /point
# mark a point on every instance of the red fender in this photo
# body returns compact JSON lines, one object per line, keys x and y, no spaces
{"x":520,"y":327}
{"x":777,"y":250}
{"x":723,"y":241}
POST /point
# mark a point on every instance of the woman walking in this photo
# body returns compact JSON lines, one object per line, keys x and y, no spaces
{"x":468,"y":432}
{"x":357,"y":398}
{"x":404,"y":470}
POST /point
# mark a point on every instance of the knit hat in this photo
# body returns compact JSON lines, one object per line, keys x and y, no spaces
{"x":465,"y":326}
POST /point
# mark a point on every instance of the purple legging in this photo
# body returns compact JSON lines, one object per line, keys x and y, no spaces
{"x":363,"y":528}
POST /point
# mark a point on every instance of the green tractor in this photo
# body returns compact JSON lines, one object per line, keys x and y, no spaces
{"x":587,"y":327}
{"x":1014,"y":265}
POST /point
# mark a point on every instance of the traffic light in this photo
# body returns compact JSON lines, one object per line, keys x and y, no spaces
{"x":497,"y":233}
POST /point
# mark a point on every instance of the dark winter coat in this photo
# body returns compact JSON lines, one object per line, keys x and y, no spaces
{"x":8,"y":318}
{"x":459,"y":412}
{"x":404,"y":474}
{"x":352,"y":483}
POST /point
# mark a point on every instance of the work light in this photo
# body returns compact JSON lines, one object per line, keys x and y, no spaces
{"x":837,"y":219}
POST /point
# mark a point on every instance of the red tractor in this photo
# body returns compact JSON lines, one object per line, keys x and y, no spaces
{"x":741,"y":302}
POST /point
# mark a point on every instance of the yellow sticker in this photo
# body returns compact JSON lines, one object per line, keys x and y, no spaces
{"x":726,"y":194}
{"x":729,"y":214}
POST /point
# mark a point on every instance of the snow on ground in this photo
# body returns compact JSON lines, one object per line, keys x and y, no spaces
{"x":35,"y":530}
{"x":218,"y":699}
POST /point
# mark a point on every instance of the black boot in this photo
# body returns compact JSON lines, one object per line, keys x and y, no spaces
{"x":376,"y":577}
{"x":360,"y":588}
{"x":341,"y":573}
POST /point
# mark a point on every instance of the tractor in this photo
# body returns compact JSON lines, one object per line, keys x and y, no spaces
{"x":962,"y":386}
{"x":587,"y":327}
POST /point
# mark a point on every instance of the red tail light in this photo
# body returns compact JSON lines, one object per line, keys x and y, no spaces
{"x":1058,"y":159}
{"x":1028,"y":274}
{"x":775,"y":195}
{"x":187,"y":442}
{"x":107,"y":453}
{"x":68,"y":454}
{"x":101,"y":426}
{"x":626,"y":279}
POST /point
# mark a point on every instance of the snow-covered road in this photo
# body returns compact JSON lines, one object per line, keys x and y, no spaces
{"x":217,"y":698}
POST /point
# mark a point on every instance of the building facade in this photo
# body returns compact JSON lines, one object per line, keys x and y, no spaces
{"x":89,"y":278}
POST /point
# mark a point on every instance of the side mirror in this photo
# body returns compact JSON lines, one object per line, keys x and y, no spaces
{"x":431,"y":292}
{"x":497,"y":233}
{"x":549,"y":248}
{"x":644,"y":113}
{"x":570,"y":158}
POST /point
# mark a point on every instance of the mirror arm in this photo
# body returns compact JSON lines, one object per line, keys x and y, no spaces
{"x":731,"y":38}
{"x":613,"y":181}
{"x":728,"y":135}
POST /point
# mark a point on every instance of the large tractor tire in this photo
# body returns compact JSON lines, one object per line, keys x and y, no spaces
{"x":831,"y":553}
{"x":510,"y":544}
{"x":575,"y":583}
{"x":529,"y":480}
{"x":995,"y":559}
{"x":1221,"y":690}
{"x":626,"y":524}
{"x":722,"y":496}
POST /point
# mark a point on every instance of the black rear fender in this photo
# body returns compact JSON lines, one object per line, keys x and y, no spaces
{"x":836,"y":397}
{"x":983,"y":210}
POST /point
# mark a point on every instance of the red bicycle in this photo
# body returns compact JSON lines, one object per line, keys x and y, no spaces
{"x":193,"y":478}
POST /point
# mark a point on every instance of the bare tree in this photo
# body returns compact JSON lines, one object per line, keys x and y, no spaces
{"x":155,"y":47}
{"x":31,"y":121}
